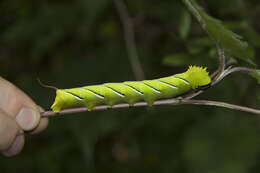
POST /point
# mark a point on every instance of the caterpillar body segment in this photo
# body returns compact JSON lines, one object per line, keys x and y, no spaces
{"x":131,"y":91}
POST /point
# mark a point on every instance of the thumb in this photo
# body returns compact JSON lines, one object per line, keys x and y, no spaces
{"x":18,"y":105}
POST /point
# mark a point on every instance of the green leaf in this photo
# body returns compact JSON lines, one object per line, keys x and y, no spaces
{"x":223,"y":37}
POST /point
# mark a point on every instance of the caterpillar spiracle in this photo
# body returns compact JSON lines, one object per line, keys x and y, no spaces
{"x":132,"y":91}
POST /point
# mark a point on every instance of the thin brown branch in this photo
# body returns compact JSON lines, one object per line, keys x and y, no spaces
{"x":220,"y":76}
{"x":239,"y":69}
{"x":221,"y":104}
{"x":104,"y":107}
{"x":160,"y":102}
{"x":193,"y":94}
{"x":231,"y":70}
{"x":222,"y":64}
{"x":222,"y":59}
{"x":129,"y":36}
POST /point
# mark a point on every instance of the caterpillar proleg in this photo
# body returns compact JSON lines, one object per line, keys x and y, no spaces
{"x":132,"y":91}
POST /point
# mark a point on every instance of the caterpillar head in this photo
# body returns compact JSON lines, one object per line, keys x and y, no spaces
{"x":64,"y":100}
{"x":58,"y":103}
{"x":198,"y":77}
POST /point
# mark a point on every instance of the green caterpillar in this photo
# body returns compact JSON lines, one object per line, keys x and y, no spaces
{"x":131,"y":91}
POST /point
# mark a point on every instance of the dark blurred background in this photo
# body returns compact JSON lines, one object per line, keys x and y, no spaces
{"x":73,"y":43}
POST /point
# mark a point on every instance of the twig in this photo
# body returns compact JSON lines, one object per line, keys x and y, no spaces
{"x":230,"y":70}
{"x":129,"y":39}
{"x":222,"y":64}
{"x":238,"y":69}
{"x":221,"y":104}
{"x":160,"y":102}
{"x":222,"y":59}
{"x":104,"y":107}
{"x":220,"y":76}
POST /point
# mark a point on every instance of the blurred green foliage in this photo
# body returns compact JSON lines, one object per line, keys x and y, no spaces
{"x":223,"y":37}
{"x":75,"y":43}
{"x":256,"y":75}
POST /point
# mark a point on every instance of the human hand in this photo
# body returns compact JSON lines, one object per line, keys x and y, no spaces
{"x":18,"y":115}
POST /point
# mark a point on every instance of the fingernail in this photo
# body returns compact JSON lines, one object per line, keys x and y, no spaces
{"x":27,"y":118}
